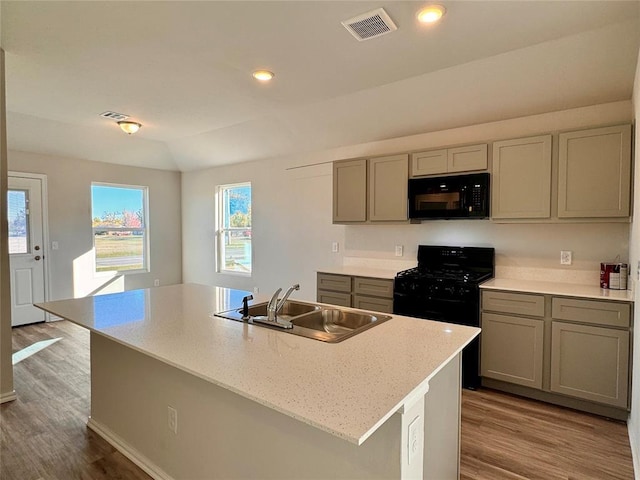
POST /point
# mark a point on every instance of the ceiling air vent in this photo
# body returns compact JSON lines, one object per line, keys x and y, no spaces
{"x":114,"y":116}
{"x":370,"y":25}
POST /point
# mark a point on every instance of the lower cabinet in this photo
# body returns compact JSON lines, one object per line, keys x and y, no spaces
{"x":512,"y":349}
{"x":590,"y":362}
{"x":574,"y":351}
{"x":359,"y":292}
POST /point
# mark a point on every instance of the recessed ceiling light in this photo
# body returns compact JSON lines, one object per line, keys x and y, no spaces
{"x":431,"y":14}
{"x":263,"y":75}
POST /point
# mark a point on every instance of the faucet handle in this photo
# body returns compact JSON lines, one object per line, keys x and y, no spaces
{"x":245,"y":307}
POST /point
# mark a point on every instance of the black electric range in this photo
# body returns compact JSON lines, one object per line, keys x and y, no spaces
{"x":444,"y":287}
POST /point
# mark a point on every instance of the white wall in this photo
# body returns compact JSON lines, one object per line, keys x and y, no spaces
{"x":634,"y":254}
{"x":292,"y":227}
{"x":71,"y":269}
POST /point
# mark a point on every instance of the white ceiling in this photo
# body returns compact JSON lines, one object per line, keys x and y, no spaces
{"x":183,"y":69}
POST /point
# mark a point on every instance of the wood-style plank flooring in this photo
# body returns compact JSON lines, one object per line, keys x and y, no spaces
{"x":43,"y":433}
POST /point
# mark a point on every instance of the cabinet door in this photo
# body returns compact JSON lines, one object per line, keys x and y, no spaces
{"x":388,"y":181}
{"x":350,"y":191}
{"x":512,"y":349}
{"x":521,"y":183}
{"x":594,"y":175}
{"x":466,"y":159}
{"x":590,"y":362}
{"x":428,"y":163}
{"x":384,"y":305}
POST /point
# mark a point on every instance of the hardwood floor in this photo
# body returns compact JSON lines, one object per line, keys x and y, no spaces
{"x":43,"y":433}
{"x":507,"y":437}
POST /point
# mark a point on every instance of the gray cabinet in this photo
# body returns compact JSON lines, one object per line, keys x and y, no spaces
{"x":521,"y":180}
{"x":359,"y":292}
{"x":388,"y":181}
{"x":450,"y":160}
{"x":568,"y":350}
{"x":512,"y":346}
{"x":594,"y":174}
{"x":350,"y":191}
{"x":372,"y":190}
{"x":590,"y":349}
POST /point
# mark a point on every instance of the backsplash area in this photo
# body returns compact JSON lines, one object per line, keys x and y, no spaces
{"x":523,"y":251}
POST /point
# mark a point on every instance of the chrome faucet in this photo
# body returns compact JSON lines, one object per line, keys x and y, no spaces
{"x":274,"y":306}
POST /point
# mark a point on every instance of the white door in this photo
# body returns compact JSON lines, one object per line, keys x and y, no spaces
{"x":26,"y":249}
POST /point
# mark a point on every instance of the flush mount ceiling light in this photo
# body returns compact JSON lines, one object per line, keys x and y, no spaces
{"x":129,"y":127}
{"x":263,"y":75}
{"x":431,"y":14}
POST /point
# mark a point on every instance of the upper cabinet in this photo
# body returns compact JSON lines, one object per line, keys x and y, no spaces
{"x":587,"y":178}
{"x":594,"y":173}
{"x":372,"y":190}
{"x":449,"y":160}
{"x":350,"y":191}
{"x":521,"y":184}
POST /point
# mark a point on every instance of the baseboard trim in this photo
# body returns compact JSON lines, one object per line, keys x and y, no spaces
{"x":8,"y":397}
{"x":634,"y":452}
{"x":128,"y":451}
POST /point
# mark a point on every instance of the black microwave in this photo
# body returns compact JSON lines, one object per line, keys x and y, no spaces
{"x":456,"y":196}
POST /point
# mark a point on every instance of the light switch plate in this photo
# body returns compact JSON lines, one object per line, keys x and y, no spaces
{"x":335,"y":246}
{"x":399,"y":250}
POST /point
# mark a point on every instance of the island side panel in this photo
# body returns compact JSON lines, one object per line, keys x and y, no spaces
{"x":442,"y":409}
{"x":219,"y":433}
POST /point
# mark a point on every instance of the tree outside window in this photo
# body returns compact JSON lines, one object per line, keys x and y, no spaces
{"x":120,"y":233}
{"x":234,"y":237}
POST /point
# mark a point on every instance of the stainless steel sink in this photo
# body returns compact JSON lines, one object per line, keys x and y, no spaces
{"x":327,"y":324}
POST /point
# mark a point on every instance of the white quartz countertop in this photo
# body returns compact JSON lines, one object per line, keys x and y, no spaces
{"x":357,"y":271}
{"x":557,"y":288}
{"x":347,"y":389}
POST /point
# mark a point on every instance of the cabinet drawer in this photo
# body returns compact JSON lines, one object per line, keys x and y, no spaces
{"x":373,"y":286}
{"x":334,"y":298}
{"x":384,"y":305}
{"x":518,"y":303}
{"x":613,"y":314}
{"x":337,"y":283}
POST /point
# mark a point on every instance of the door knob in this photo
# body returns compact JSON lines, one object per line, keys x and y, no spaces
{"x":37,"y":257}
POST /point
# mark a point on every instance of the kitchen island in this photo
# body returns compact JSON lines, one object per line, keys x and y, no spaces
{"x":187,"y":394}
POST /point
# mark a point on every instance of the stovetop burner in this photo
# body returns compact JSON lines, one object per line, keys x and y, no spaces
{"x":466,"y":276}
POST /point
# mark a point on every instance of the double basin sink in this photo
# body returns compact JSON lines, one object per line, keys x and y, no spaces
{"x":320,"y":322}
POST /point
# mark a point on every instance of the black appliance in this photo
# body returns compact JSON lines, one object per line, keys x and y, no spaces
{"x":444,"y":287}
{"x":456,"y":196}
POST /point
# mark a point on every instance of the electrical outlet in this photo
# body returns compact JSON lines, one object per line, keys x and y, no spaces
{"x":173,"y":419}
{"x":335,"y":246}
{"x":256,"y":290}
{"x":566,"y":257}
{"x":399,"y":250}
{"x":414,"y":439}
{"x":156,"y":283}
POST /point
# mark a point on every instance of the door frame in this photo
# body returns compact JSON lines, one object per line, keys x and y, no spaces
{"x":45,"y":229}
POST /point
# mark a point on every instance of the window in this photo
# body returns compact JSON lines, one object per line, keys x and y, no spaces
{"x":18,"y":212}
{"x":234,"y":228}
{"x":120,"y":230}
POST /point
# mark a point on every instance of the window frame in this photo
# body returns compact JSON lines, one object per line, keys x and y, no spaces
{"x":146,"y":261}
{"x":220,"y":230}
